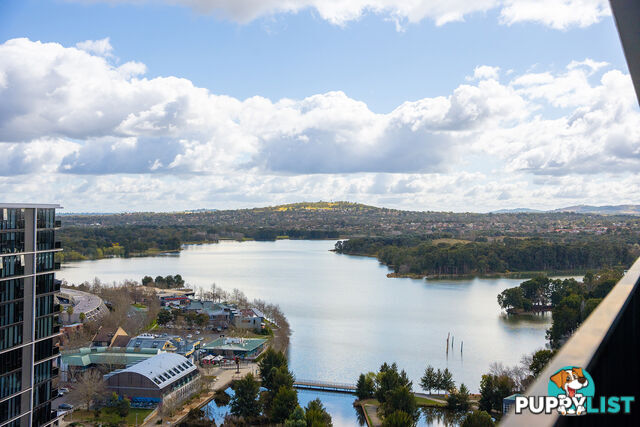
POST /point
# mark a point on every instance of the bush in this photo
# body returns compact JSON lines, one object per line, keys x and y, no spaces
{"x":398,"y":419}
{"x":478,"y":419}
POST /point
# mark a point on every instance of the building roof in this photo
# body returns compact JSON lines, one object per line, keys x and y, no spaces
{"x":83,"y":302}
{"x":235,"y":344}
{"x":163,"y":369}
{"x":106,"y":356}
{"x":171,"y":343}
{"x":28,"y":206}
{"x":251,"y":312}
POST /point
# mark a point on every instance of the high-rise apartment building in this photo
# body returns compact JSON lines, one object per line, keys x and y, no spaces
{"x":29,"y":327}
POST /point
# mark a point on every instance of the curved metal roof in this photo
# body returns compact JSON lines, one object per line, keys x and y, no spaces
{"x":163,"y":369}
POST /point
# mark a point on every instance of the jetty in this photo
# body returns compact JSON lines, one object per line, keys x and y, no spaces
{"x":325,"y":386}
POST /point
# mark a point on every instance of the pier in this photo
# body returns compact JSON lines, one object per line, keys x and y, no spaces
{"x":325,"y":386}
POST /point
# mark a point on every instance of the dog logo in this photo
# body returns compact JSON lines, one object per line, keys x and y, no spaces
{"x":571,"y":385}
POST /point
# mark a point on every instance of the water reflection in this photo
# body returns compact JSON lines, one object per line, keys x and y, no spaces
{"x":442,"y":417}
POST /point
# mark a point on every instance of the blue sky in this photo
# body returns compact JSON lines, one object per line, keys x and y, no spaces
{"x":363,"y":100}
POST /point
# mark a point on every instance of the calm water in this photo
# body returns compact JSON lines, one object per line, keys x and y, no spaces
{"x":346,"y":315}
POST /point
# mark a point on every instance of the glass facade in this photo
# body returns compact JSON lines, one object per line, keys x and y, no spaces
{"x":11,"y":219}
{"x":18,"y":318}
{"x":10,"y":408}
{"x":45,"y":261}
{"x":11,"y":242}
{"x":45,"y":283}
{"x":11,"y":289}
{"x":12,"y":266}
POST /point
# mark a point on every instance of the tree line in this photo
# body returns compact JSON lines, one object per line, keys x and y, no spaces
{"x":569,"y":301}
{"x":96,"y":242}
{"x":412,"y":255}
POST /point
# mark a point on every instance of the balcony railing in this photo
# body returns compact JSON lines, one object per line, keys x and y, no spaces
{"x":607,"y":346}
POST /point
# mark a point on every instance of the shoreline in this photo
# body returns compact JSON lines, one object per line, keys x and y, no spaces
{"x":154,"y":252}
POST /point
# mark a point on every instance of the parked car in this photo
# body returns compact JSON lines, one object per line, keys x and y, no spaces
{"x":63,"y":390}
{"x":65,"y":406}
{"x":189,"y":336}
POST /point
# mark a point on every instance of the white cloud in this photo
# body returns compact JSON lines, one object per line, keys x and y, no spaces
{"x":98,"y":47}
{"x":559,"y":14}
{"x":484,"y":72}
{"x":105,"y":132}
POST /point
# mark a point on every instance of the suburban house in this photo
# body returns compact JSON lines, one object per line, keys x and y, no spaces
{"x":110,"y":338}
{"x":220,"y":315}
{"x":249,"y":318}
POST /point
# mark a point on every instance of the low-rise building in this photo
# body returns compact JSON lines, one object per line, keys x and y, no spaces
{"x":164,"y":342}
{"x":110,"y":338}
{"x":79,"y":306}
{"x":154,"y":380}
{"x":105,"y":359}
{"x":245,"y":348}
{"x":220,"y":315}
{"x":249,"y":318}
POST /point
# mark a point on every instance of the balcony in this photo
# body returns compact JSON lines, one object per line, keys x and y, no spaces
{"x":57,"y":223}
{"x":56,"y":266}
{"x":57,"y":245}
{"x":56,"y":308}
{"x":607,"y":346}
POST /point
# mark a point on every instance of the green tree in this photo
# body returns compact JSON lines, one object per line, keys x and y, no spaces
{"x":539,"y":360}
{"x":365,"y":387}
{"x":82,"y":317}
{"x":281,"y":377}
{"x":245,"y":402}
{"x":124,"y":405}
{"x":493,"y":389}
{"x":388,"y":378}
{"x":429,"y":380}
{"x":296,"y":419}
{"x":511,"y":299}
{"x":147,"y":281}
{"x":458,"y":400}
{"x":317,"y":415}
{"x":271,"y":359}
{"x":164,"y":317}
{"x":398,"y":419}
{"x":446,"y":381}
{"x":283,"y":404}
{"x":478,"y":419}
{"x":400,"y":399}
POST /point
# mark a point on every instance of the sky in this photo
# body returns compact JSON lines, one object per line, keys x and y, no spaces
{"x":168,"y":105}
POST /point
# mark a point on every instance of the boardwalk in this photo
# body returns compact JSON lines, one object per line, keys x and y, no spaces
{"x":325,"y":386}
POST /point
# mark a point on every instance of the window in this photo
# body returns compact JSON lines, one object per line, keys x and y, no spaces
{"x":11,"y":289}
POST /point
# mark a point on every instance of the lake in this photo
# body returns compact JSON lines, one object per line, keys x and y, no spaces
{"x":346,"y":316}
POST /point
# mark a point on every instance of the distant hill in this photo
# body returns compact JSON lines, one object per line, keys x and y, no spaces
{"x":603,"y":210}
{"x":320,"y":206}
{"x":517,"y":210}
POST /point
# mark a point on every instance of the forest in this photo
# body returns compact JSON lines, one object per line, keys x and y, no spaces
{"x":413,"y":256}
